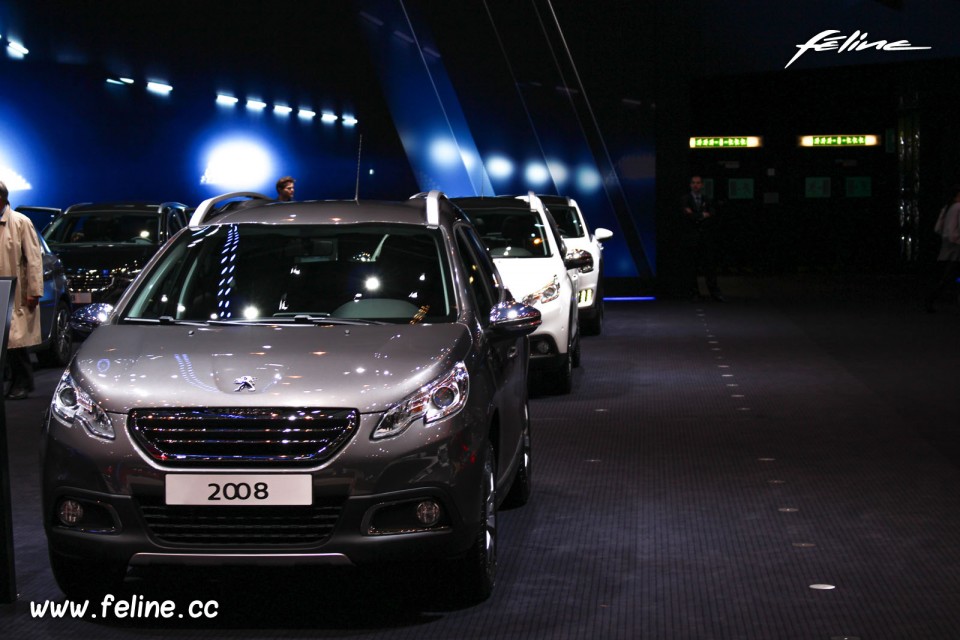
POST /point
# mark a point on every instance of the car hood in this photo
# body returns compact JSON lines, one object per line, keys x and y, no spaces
{"x":104,"y":256}
{"x":367,"y":367}
{"x":524,"y":276}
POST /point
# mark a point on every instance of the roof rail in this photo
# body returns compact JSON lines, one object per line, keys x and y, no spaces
{"x":173,"y":205}
{"x":207,"y":208}
{"x":433,"y":205}
{"x":535,"y":203}
{"x":76,"y":204}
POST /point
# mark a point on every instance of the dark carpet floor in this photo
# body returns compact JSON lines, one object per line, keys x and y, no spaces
{"x":783,"y":466}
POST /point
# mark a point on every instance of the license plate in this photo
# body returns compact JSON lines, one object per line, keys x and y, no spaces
{"x":238,"y":489}
{"x":81,"y":297}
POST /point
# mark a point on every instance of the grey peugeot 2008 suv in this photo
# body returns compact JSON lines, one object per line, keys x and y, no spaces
{"x":331,"y":383}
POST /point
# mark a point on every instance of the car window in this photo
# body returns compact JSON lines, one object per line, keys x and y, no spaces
{"x":104,"y":228}
{"x":175,"y":221}
{"x":557,"y":235}
{"x":391,"y":273}
{"x":479,"y":272}
{"x":568,"y":221}
{"x":40,"y":216}
{"x":512,"y":233}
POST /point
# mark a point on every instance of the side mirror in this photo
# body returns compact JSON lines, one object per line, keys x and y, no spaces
{"x":579,"y":259}
{"x":514,"y":319}
{"x":602,"y":234}
{"x":87,"y":318}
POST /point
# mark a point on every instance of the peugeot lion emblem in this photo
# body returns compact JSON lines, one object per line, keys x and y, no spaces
{"x":245,"y":383}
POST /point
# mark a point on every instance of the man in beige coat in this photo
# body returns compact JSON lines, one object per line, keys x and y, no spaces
{"x":21,"y":257}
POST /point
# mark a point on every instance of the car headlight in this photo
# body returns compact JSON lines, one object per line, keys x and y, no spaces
{"x":545,"y":294}
{"x":441,"y":398}
{"x":74,"y":406}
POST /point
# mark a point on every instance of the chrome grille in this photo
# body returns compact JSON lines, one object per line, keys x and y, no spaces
{"x":240,"y":526}
{"x":259,"y":437}
{"x":84,"y":280}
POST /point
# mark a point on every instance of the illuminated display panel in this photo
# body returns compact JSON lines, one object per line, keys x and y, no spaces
{"x":840,"y":140}
{"x":725,"y":142}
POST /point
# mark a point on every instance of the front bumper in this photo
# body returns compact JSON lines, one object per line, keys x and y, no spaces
{"x":349,"y":541}
{"x":363,"y":511}
{"x":587,"y":288}
{"x":549,"y":342}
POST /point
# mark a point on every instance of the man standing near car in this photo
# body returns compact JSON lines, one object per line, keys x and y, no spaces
{"x":700,"y":241}
{"x":285,"y":189}
{"x":21,"y":257}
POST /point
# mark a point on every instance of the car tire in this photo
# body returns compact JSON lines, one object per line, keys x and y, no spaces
{"x":522,"y":486}
{"x":593,"y":324}
{"x":58,"y":353}
{"x":575,"y":352}
{"x":84,"y":580}
{"x":478,"y":570}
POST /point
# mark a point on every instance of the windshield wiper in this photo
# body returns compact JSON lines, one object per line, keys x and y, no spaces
{"x":298,"y":319}
{"x":353,"y":321}
{"x":324,"y":319}
{"x":162,"y":320}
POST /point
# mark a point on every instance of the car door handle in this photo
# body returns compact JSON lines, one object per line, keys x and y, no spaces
{"x":512,"y":352}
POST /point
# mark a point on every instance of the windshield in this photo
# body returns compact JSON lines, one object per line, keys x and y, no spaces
{"x":567,"y":221}
{"x":250,"y":272}
{"x":104,"y":228}
{"x":511,"y":233}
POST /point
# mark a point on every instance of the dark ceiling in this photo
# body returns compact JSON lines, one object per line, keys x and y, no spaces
{"x":633,"y":44}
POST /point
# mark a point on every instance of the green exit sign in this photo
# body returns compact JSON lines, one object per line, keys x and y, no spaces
{"x":724,"y":142}
{"x":848,"y":140}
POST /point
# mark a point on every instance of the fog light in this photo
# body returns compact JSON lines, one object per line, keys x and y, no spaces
{"x":543,"y":346}
{"x":71,"y":513}
{"x":428,"y":513}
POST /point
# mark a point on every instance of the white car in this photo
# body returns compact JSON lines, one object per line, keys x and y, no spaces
{"x":576,"y":235}
{"x":525,"y":244}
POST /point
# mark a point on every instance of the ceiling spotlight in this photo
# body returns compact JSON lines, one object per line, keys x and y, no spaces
{"x":13,"y":180}
{"x":282,"y":109}
{"x":17,"y":50}
{"x":256,"y":104}
{"x":227,"y":100}
{"x":306,"y":113}
{"x":159,"y":87}
{"x":349,"y":121}
{"x":329,"y":117}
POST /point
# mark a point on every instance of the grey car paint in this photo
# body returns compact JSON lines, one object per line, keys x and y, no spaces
{"x":295,"y":365}
{"x":137,"y":367}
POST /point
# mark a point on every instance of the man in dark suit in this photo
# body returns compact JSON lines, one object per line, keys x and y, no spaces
{"x":698,"y":219}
